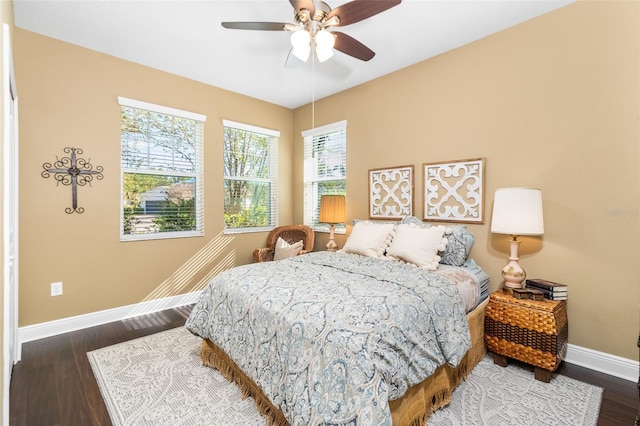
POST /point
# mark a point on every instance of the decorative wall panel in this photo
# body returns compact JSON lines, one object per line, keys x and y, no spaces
{"x":454,"y":191}
{"x":391,"y":192}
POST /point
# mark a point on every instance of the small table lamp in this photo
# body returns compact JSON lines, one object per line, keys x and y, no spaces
{"x":516,"y":211}
{"x":332,"y":211}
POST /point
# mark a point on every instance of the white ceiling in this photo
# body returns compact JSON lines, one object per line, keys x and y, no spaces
{"x":185,"y":38}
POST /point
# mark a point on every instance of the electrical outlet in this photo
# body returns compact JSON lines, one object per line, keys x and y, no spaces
{"x":56,"y":289}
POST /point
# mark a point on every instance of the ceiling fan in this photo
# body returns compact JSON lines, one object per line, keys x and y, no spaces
{"x":313,"y":19}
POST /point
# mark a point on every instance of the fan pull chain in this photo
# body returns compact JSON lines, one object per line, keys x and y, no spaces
{"x":313,"y":91}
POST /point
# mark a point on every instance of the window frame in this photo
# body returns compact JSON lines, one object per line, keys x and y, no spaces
{"x":198,"y":174}
{"x":310,"y":196}
{"x":274,"y":136}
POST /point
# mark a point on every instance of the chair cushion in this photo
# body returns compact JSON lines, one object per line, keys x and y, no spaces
{"x":285,"y":250}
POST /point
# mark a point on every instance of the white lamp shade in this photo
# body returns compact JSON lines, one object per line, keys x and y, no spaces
{"x":517,"y":211}
{"x":301,"y":42}
{"x":333,"y":209}
{"x":324,"y":45}
{"x":302,"y":53}
{"x":325,"y":40}
{"x":323,"y":53}
{"x":300,"y":38}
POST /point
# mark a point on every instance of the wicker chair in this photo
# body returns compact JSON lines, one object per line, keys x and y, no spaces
{"x":289,"y":233}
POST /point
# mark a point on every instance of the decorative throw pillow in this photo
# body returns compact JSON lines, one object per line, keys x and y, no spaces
{"x":369,"y":239}
{"x":285,"y":250}
{"x":418,"y":245}
{"x":459,"y":242}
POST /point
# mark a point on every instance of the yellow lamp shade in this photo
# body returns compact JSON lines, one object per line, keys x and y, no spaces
{"x":333,"y":209}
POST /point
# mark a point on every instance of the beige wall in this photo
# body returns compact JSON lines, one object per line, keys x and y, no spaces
{"x":552,"y":103}
{"x":68,"y":97}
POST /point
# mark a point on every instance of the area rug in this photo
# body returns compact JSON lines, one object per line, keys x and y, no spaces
{"x":158,"y":380}
{"x":498,"y":396}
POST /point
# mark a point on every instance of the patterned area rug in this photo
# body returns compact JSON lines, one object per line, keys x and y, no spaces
{"x":499,"y":396}
{"x":158,"y":380}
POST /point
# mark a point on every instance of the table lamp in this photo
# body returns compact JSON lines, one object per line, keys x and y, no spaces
{"x":332,"y":211}
{"x":516,"y":211}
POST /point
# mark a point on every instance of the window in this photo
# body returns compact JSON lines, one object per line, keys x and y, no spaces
{"x":161,"y":172}
{"x":325,"y":170}
{"x":250,"y":178}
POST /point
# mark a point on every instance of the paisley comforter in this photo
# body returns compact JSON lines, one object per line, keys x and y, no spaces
{"x":331,"y":337}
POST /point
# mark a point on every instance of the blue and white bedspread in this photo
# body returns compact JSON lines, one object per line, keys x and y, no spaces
{"x":331,"y":337}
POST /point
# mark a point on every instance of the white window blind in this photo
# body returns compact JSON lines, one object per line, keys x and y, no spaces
{"x":162,"y":172}
{"x":250,"y":178}
{"x":325,"y":169}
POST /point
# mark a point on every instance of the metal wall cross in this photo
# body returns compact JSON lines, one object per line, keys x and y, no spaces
{"x":72,"y":171}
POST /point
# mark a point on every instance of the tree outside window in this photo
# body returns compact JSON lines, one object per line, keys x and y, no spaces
{"x":250,"y":170}
{"x":161,"y":171}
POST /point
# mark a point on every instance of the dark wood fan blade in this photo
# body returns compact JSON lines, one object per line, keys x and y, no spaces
{"x":261,"y":26}
{"x":303,"y":4}
{"x":357,"y":10}
{"x":352,"y":47}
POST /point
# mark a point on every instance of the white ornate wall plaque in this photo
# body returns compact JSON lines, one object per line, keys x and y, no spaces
{"x":391,"y":192}
{"x":454,"y":191}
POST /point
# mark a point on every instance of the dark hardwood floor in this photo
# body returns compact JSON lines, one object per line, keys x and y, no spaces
{"x":54,"y":384}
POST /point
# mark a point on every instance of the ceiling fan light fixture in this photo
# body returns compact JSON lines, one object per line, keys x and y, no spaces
{"x":300,"y":38}
{"x":302,"y":53}
{"x":301,"y":43}
{"x":324,"y":45}
{"x":323,"y":54}
{"x":311,"y":20}
{"x":332,"y":22}
{"x":325,"y":40}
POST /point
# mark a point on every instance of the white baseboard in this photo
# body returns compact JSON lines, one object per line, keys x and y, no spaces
{"x":613,"y":365}
{"x":65,"y":325}
{"x":599,"y":361}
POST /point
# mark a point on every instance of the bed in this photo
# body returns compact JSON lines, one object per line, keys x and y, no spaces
{"x":362,"y":336}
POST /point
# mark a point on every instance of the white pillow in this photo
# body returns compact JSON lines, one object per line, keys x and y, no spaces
{"x":418,"y":245}
{"x":284,"y":249}
{"x":369,"y":239}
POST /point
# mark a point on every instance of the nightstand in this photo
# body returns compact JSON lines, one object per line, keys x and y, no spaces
{"x":531,"y":331}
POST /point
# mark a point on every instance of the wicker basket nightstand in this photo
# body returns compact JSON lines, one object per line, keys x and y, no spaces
{"x":531,"y":331}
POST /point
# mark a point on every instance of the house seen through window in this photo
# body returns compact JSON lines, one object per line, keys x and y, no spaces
{"x":161,"y":171}
{"x":325,"y":170}
{"x":250,"y":177}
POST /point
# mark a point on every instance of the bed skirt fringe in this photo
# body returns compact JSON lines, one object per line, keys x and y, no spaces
{"x":212,"y":356}
{"x":428,"y":396}
{"x":413,"y":409}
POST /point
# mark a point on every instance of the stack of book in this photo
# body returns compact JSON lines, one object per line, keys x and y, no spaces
{"x":551,"y":290}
